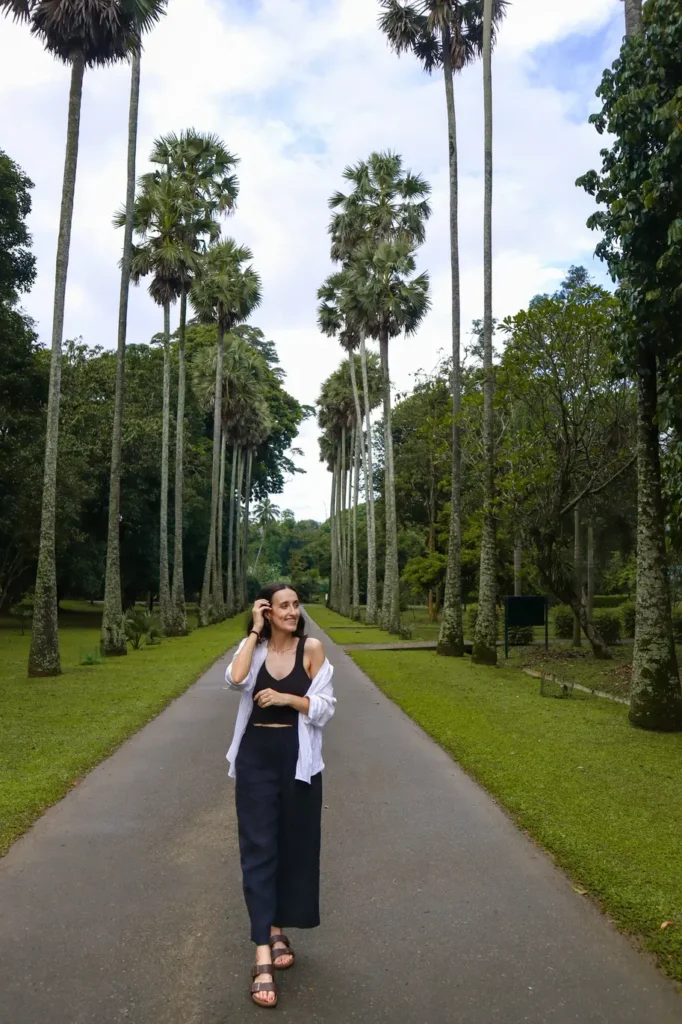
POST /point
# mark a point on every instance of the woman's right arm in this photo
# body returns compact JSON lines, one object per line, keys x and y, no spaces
{"x":241,"y":665}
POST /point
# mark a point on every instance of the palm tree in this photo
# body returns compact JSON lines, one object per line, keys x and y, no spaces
{"x":113,"y":640}
{"x":266,"y":514}
{"x":394,"y":301}
{"x":633,"y":17}
{"x":83,"y":36}
{"x":205,"y":166}
{"x":446,"y":36}
{"x":336,"y":416}
{"x":485,"y":639}
{"x":244,"y":378}
{"x":165,"y":252}
{"x":226,"y":293}
{"x":385,"y":205}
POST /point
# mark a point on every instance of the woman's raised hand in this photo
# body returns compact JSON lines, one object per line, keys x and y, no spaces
{"x":258,"y":617}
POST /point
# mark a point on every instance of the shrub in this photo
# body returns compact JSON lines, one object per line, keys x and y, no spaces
{"x":23,"y":610}
{"x":677,"y":622}
{"x":405,"y":631}
{"x":563,"y":622}
{"x":609,"y":626}
{"x":141,"y":628}
{"x":94,"y":657}
{"x":627,"y":613}
{"x":521,"y":636}
{"x":470,"y":622}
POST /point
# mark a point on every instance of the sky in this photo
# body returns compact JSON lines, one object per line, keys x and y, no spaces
{"x":299,"y":89}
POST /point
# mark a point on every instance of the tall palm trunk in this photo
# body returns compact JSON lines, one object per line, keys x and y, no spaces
{"x":656,"y":699}
{"x":164,"y":578}
{"x":43,"y":657}
{"x":241,"y":465}
{"x":345,"y":574}
{"x":245,"y":536}
{"x":113,"y":639}
{"x":339,"y":530}
{"x":369,"y":505}
{"x":355,"y":604}
{"x":332,"y":537}
{"x":371,"y":614}
{"x":633,"y":16}
{"x":577,"y":573}
{"x":391,"y":600}
{"x":451,"y":637}
{"x":231,"y":607}
{"x":205,"y":611}
{"x":485,"y":641}
{"x":178,"y":618}
{"x":218,"y":583}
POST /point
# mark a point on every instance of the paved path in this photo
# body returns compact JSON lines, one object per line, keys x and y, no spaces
{"x":123,"y":904}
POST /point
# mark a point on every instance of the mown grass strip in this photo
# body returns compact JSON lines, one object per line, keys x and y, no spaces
{"x":53,"y":731}
{"x":603,"y":798}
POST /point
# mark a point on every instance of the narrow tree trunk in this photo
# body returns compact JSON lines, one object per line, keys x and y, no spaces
{"x":231,"y":604}
{"x":590,"y":571}
{"x":44,"y":658}
{"x":485,"y":641}
{"x":391,"y":600}
{"x":633,"y":17}
{"x":113,"y":638}
{"x":178,"y":626}
{"x":360,"y":447}
{"x":241,"y":466}
{"x":205,"y":611}
{"x":656,"y":699}
{"x":164,"y":578}
{"x":371,"y":613}
{"x":332,"y":525}
{"x":451,"y":637}
{"x":345,"y":577}
{"x":577,"y":574}
{"x":355,"y":610}
{"x":518,"y":567}
{"x":245,"y":537}
{"x":339,"y":531}
{"x":218,"y":583}
{"x":260,"y":546}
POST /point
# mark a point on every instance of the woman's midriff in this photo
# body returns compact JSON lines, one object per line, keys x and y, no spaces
{"x":271,"y":725}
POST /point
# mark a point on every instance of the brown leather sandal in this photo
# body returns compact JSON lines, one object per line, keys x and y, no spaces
{"x":281,"y":938}
{"x":264,"y":986}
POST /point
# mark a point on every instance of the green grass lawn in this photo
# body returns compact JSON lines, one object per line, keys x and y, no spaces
{"x":345,"y":631}
{"x":604,"y":798}
{"x":53,"y":731}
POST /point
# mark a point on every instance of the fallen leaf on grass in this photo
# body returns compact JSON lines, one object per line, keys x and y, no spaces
{"x":667,"y":924}
{"x":581,"y":892}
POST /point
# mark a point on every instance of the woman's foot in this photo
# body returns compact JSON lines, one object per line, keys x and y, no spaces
{"x":282,"y":953}
{"x":264,"y":988}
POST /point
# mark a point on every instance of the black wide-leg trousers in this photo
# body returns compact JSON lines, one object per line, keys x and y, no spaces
{"x":279,"y":832}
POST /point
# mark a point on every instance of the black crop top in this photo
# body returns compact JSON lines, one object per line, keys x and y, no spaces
{"x":296,"y":683}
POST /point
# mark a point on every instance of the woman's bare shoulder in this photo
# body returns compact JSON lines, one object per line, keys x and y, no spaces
{"x":311,"y":644}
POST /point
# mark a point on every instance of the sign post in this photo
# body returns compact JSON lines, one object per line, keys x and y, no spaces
{"x":525,"y":611}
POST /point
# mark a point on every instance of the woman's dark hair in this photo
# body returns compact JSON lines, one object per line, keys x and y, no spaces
{"x":267,"y":593}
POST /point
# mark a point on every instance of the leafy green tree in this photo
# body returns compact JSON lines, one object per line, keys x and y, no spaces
{"x":266,"y":515}
{"x":639,"y":192}
{"x":83,"y":36}
{"x":566,"y":422}
{"x":446,"y":36}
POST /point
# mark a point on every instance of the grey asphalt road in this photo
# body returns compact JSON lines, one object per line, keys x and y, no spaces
{"x":123,"y":903}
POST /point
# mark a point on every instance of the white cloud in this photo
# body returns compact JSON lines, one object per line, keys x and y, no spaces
{"x":299,"y":90}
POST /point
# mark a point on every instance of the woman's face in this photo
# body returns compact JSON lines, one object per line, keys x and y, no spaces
{"x":285,"y":611}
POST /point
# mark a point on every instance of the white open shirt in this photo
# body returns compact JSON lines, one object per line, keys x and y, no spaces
{"x":322,"y":702}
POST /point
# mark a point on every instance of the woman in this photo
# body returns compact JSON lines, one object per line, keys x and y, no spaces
{"x":276,"y":757}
